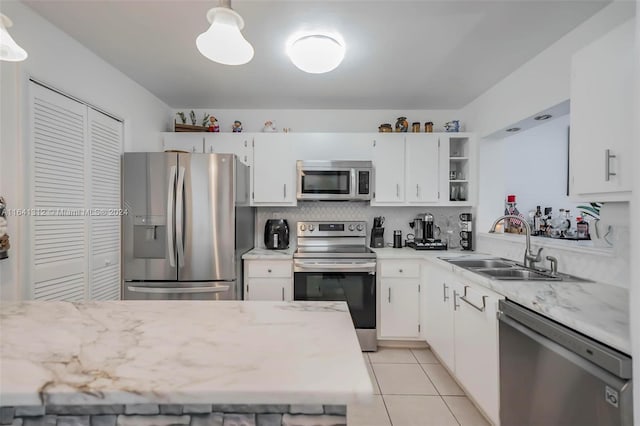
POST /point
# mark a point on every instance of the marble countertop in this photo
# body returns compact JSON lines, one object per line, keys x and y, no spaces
{"x":225,"y":352}
{"x":600,"y":311}
{"x":266,"y":254}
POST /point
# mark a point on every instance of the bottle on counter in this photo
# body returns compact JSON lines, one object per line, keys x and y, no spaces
{"x":582,"y":227}
{"x":537,"y":221}
{"x":546,"y":220}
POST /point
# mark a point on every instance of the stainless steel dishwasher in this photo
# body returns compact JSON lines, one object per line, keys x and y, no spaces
{"x":553,"y":376}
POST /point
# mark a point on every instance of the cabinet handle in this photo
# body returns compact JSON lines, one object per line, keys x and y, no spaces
{"x":397,"y":190}
{"x":607,"y":164}
{"x":389,"y":295}
{"x":283,"y":294}
{"x":269,"y":270}
{"x":417,"y":191}
{"x":211,"y":148}
{"x":284,"y":187}
{"x":468,"y":302}
{"x":400,"y":270}
{"x":444,"y":292}
{"x":455,"y":300}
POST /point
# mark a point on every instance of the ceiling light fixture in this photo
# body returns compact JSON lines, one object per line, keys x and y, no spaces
{"x":513,"y":129}
{"x":9,"y":49}
{"x":316,"y":53}
{"x":223,"y":42}
{"x":542,"y":117}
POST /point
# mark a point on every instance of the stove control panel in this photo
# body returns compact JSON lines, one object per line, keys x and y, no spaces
{"x":332,"y":229}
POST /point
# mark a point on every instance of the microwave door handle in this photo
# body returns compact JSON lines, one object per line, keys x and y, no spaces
{"x":354,"y":188}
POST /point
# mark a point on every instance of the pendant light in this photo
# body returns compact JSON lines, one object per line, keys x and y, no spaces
{"x":9,"y":49}
{"x":316,"y":53}
{"x":223,"y":42}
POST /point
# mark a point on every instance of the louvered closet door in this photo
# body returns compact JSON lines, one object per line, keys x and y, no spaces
{"x":105,"y":144}
{"x":58,"y":238}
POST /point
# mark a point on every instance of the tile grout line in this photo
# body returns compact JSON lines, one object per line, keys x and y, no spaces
{"x":430,"y":381}
{"x":450,"y":410}
{"x":380,"y":388}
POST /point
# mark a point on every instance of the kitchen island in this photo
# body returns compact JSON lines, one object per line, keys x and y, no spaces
{"x":178,"y":362}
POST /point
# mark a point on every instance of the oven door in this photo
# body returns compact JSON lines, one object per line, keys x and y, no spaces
{"x":356,"y":286}
{"x":326,"y":184}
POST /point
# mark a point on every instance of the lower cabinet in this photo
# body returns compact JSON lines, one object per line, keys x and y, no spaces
{"x":461,"y":327}
{"x":399,"y":298}
{"x":268,"y":280}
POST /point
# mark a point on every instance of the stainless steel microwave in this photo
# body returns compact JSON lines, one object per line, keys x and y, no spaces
{"x":335,"y":180}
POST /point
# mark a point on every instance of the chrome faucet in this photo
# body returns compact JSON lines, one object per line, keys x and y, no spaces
{"x":529,"y":258}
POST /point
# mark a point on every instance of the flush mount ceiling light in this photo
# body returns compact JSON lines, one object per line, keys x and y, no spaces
{"x":513,"y":129}
{"x":542,"y":117}
{"x":223,"y":42}
{"x":9,"y":49}
{"x":316,"y":53}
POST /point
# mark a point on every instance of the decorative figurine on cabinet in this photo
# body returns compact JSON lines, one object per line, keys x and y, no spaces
{"x":237,"y":127}
{"x":192,"y":115}
{"x":213,"y":124}
{"x":402,"y":125}
{"x":269,"y":127}
{"x":452,"y":126}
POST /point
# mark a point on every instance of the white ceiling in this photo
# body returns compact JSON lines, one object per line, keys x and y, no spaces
{"x":400,"y":54}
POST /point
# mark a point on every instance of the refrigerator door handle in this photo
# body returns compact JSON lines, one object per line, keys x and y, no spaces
{"x":170,"y":222}
{"x":180,"y":217}
{"x":173,"y":290}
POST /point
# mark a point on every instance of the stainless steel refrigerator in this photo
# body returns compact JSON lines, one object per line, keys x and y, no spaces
{"x":188,"y":224}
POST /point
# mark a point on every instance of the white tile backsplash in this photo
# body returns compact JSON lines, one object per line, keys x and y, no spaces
{"x":395,"y":218}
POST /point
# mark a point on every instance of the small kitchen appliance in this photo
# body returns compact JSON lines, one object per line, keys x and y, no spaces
{"x":424,"y":231}
{"x":397,"y":238}
{"x":334,"y":180}
{"x":276,"y":234}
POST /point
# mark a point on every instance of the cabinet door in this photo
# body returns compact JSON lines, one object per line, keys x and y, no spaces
{"x":230,"y":143}
{"x":399,"y":308}
{"x":333,"y":146}
{"x":438,"y":318}
{"x":185,"y":142}
{"x":275,"y":289}
{"x":476,"y":345}
{"x":422,"y":168}
{"x":274,"y":170}
{"x":388,"y":161}
{"x":602,"y":115}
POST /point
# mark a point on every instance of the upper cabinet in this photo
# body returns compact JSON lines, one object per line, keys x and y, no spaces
{"x":274,"y":170}
{"x":230,"y":143}
{"x":388,"y":163}
{"x":185,"y":142}
{"x":602,"y":118}
{"x":422,"y":167}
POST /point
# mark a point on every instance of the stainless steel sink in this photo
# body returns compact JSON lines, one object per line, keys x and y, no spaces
{"x":482,"y":263}
{"x":519,"y":274}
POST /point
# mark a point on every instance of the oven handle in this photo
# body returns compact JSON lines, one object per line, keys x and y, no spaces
{"x":299,"y":266}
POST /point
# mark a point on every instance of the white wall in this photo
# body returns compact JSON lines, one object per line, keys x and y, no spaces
{"x":320,"y":120}
{"x":62,"y":62}
{"x":535,"y":167}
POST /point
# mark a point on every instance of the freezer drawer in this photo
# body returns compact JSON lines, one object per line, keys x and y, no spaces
{"x":218,"y":290}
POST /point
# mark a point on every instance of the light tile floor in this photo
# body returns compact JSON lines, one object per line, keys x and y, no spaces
{"x":412,"y":389}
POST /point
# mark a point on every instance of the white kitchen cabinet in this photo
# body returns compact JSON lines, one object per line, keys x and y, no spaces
{"x":422,"y":168}
{"x":602,"y":117}
{"x":268,"y":280}
{"x":438,"y":316}
{"x":461,"y":327}
{"x":333,"y":146}
{"x":399,"y":299}
{"x":476,"y":347}
{"x":239,"y":144}
{"x":388,"y":162}
{"x":183,"y":141}
{"x":274,"y":170}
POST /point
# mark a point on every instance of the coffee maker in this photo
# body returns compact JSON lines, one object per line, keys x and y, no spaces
{"x":425,"y":232}
{"x":276,"y":234}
